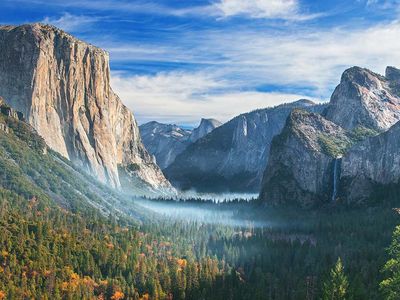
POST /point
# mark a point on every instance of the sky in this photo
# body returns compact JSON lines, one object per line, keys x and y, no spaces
{"x":177,"y":61}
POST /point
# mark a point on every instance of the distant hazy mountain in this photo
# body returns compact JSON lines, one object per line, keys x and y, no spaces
{"x":205,"y":127}
{"x":166,"y":141}
{"x":233,"y":156}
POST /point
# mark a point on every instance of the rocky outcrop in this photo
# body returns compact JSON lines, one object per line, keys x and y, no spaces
{"x":166,"y":141}
{"x":372,"y":167}
{"x":301,"y":170}
{"x":8,"y":111}
{"x":233,"y":156}
{"x":62,"y":85}
{"x":364,"y":98}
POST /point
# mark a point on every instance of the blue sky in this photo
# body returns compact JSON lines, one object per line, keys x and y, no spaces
{"x":177,"y":61}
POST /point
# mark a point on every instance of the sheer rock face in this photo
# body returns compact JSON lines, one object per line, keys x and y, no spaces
{"x":300,"y":169}
{"x":364,"y":98}
{"x":232,"y":158}
{"x":62,"y":85}
{"x":372,"y":163}
{"x":166,"y":141}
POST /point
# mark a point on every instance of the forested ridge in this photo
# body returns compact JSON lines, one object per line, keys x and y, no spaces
{"x":61,"y":240}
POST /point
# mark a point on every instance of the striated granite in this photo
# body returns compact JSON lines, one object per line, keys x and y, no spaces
{"x":353,"y":157}
{"x":233,"y":156}
{"x":301,"y":165}
{"x":62,"y":86}
{"x":372,"y":163}
{"x":364,"y":98}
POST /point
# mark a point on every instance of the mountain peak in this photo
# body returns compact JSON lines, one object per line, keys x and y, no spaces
{"x":364,"y":98}
{"x":205,"y":127}
{"x":209,"y":122}
{"x":164,"y":141}
{"x":303,"y":102}
{"x":361,"y":76}
{"x":392,"y":73}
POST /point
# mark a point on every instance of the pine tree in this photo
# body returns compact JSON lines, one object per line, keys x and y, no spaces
{"x":391,"y":285}
{"x":336,"y":286}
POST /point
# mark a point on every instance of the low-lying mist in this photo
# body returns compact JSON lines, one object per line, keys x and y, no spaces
{"x":217,"y":197}
{"x":211,"y":212}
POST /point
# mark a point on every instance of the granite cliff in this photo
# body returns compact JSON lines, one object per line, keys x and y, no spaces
{"x":232,"y":158}
{"x":62,"y":86}
{"x":301,"y":165}
{"x":364,"y":98}
{"x":348,"y":155}
{"x":371,"y":168}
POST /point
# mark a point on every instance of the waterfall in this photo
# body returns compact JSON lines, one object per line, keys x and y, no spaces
{"x":336,"y":176}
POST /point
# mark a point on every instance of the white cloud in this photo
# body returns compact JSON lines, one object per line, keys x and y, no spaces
{"x":270,"y":9}
{"x":249,"y":59}
{"x":314,"y":59}
{"x":184,"y":98}
{"x":71,"y":23}
{"x":239,"y":63}
{"x":267,"y":9}
{"x":293,"y":59}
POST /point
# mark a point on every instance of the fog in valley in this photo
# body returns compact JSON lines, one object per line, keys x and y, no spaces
{"x":217,"y":210}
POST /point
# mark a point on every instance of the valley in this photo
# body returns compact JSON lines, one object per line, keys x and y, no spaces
{"x":293,"y":201}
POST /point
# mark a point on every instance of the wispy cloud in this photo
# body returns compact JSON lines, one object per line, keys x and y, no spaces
{"x":222,"y":62}
{"x":384,"y":4}
{"x":303,"y":64}
{"x":260,"y":9}
{"x":186,"y":97}
{"x":71,"y":23}
{"x":267,"y":9}
{"x":303,"y":59}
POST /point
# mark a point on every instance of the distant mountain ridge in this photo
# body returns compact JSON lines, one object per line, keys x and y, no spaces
{"x":232,"y":158}
{"x":166,"y":141}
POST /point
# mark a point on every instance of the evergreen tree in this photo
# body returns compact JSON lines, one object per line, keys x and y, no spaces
{"x":336,"y":286}
{"x":391,"y":285}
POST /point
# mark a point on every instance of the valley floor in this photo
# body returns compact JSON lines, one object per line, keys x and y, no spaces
{"x":189,"y":249}
{"x":280,"y":253}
